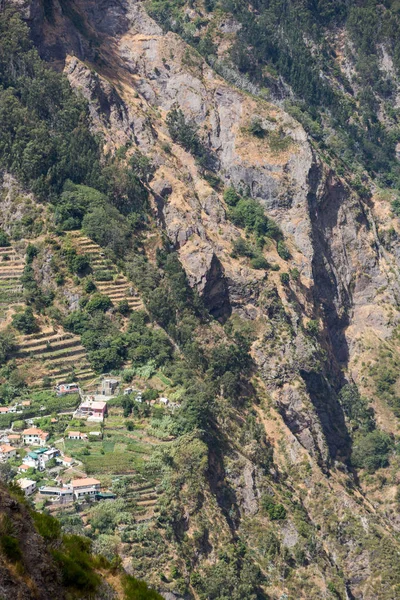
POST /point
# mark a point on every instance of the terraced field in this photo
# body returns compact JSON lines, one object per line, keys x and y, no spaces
{"x":11,"y":268}
{"x":58,"y":355}
{"x":108,"y":280}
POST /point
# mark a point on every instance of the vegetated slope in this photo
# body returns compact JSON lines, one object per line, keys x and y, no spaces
{"x":36,"y":561}
{"x":232,"y":521}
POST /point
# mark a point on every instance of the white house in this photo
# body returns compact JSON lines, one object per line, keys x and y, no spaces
{"x":23,"y":468}
{"x":77,"y":435}
{"x":65,"y":461}
{"x":63,"y":495}
{"x":27,"y":485}
{"x":40,"y":458}
{"x":85,"y":487}
{"x":35,"y":436}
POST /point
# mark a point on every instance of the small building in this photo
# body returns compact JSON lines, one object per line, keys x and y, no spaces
{"x":26,"y":403}
{"x":77,"y":435}
{"x":164,"y":401}
{"x":40,"y":458}
{"x":93,"y":410}
{"x":63,"y":389}
{"x":31,"y":460}
{"x":14,"y":439}
{"x":4,"y":410}
{"x":105,"y":496}
{"x":109,"y":387}
{"x":23,"y":468}
{"x":63,"y":495}
{"x":65,"y":461}
{"x":35,"y":436}
{"x":49,"y":454}
{"x":95,"y":435}
{"x":7,"y":452}
{"x":27,"y":485}
{"x":85,"y":487}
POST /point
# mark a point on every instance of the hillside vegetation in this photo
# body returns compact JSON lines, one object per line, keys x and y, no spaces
{"x":204,"y":204}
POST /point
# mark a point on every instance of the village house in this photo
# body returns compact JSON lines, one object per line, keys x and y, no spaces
{"x":92,"y":410}
{"x":77,"y":435}
{"x":23,"y":468}
{"x":109,"y":387}
{"x":26,"y":403}
{"x":66,"y":388}
{"x":40,"y":458}
{"x":63,"y":495}
{"x":85,"y":487}
{"x":65,"y":461}
{"x":14,"y":439}
{"x":4,"y":410}
{"x":31,"y":460}
{"x":27,"y":485}
{"x":7,"y":452}
{"x":35,"y":436}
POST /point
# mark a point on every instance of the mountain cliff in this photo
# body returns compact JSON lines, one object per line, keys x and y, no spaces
{"x":264,"y":217}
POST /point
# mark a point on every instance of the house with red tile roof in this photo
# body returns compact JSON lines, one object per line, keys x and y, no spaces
{"x":35,"y":436}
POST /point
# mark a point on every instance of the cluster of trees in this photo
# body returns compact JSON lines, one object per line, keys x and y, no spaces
{"x":185,"y":133}
{"x":371,"y":447}
{"x":108,"y":347}
{"x":248,"y":214}
{"x":46,"y":142}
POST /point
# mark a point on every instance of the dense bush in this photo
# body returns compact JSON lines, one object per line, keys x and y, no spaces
{"x":186,"y":134}
{"x":356,"y":409}
{"x":371,"y":452}
{"x":10,"y":547}
{"x":25,"y":321}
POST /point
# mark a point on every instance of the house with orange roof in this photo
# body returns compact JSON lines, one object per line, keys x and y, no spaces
{"x":13,"y":439}
{"x":85,"y":487}
{"x":7,"y":452}
{"x":23,"y":468}
{"x":35,"y":436}
{"x":77,"y":435}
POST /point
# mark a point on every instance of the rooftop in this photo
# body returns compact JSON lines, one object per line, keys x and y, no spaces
{"x":6,"y":448}
{"x":33,"y":431}
{"x":86,"y":482}
{"x":94,"y":405}
{"x":25,"y":483}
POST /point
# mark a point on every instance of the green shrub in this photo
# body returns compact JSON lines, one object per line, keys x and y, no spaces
{"x":282,"y":250}
{"x":47,"y":526}
{"x":259,"y":262}
{"x":25,"y":322}
{"x":4,"y":239}
{"x":98,"y":302}
{"x":285,"y":278}
{"x":123,"y":307}
{"x":10,"y":547}
{"x":371,"y":451}
{"x":276,"y":512}
{"x":231,"y":196}
{"x":89,"y":286}
{"x":256,"y":128}
{"x":138,"y":590}
{"x":312,"y":327}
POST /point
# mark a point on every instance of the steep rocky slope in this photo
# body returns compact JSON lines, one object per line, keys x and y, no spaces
{"x":343,"y":533}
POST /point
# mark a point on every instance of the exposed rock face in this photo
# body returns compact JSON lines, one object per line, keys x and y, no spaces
{"x":348,"y":279}
{"x":40,"y":579}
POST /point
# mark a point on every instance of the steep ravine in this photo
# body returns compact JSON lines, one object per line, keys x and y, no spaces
{"x":132,"y":74}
